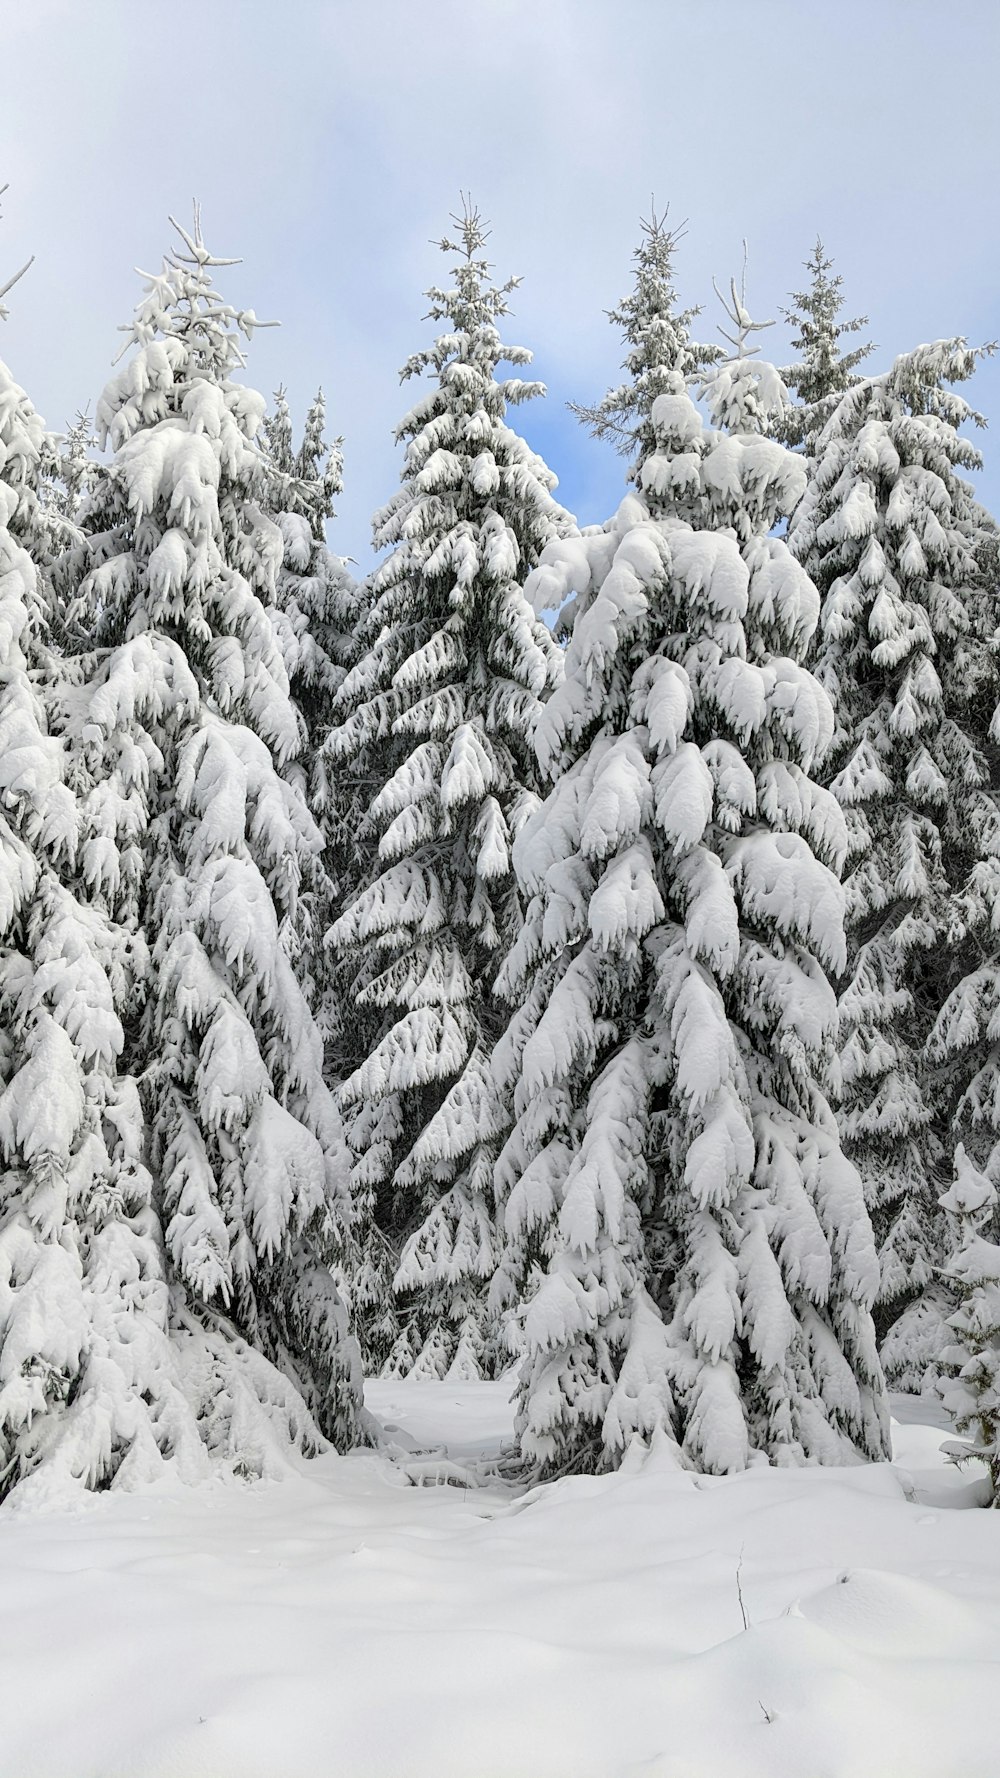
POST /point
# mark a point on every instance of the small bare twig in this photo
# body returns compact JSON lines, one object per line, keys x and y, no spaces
{"x":12,"y":281}
{"x":739,"y":1590}
{"x":17,"y":275}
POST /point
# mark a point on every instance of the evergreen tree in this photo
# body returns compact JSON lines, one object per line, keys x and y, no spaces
{"x":200,"y":838}
{"x":316,"y":595}
{"x":897,"y":544}
{"x":437,"y":715}
{"x":677,"y":1208}
{"x":658,"y":339}
{"x":90,"y":1390}
{"x":824,"y":371}
{"x":963,"y":1049}
{"x":69,"y":471}
{"x":970,"y":1363}
{"x":316,"y":606}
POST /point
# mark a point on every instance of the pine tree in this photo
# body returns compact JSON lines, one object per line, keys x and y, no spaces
{"x":678,"y":1212}
{"x":824,"y":371}
{"x":200,"y":839}
{"x":895,"y":541}
{"x":89,"y":1386}
{"x":658,"y":339}
{"x":970,"y":1363}
{"x":963,"y":1049}
{"x":316,"y":595}
{"x":316,"y":607}
{"x":69,"y":471}
{"x":437,"y":715}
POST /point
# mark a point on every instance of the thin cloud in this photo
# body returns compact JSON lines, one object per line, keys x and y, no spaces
{"x":328,"y":144}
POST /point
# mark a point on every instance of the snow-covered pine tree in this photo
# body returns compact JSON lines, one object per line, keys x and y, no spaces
{"x":199,"y":837}
{"x":68,"y":470}
{"x":893,"y":537}
{"x":657,"y":335}
{"x":677,"y":1208}
{"x":317,"y":614}
{"x":969,"y":1366}
{"x":824,"y":370}
{"x":438,"y":713}
{"x":963,"y":1048}
{"x":316,"y":594}
{"x":315,"y":611}
{"x":89,"y":1386}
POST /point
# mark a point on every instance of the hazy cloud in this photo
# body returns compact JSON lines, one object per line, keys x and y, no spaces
{"x":328,"y":140}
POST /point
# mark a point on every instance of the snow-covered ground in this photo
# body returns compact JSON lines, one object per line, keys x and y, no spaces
{"x":349,"y":1624}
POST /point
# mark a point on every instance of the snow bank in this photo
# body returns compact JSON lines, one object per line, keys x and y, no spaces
{"x":348,"y":1622}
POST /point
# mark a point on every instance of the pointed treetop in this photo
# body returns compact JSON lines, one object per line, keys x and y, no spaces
{"x":824,"y":372}
{"x":471,"y":310}
{"x":473,"y":231}
{"x":477,"y":301}
{"x":306,"y":480}
{"x":657,"y":335}
{"x":181,"y":302}
{"x":313,"y":443}
{"x":278,"y":432}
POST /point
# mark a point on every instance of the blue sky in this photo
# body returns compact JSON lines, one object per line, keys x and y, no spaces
{"x":328,"y":140}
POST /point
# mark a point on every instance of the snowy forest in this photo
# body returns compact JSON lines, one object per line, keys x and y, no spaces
{"x":570,"y":949}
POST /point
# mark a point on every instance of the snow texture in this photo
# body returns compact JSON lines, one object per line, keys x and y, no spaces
{"x":197,"y":842}
{"x":764,"y":1625}
{"x":905,"y":559}
{"x":436,"y":717}
{"x":690,"y":1240}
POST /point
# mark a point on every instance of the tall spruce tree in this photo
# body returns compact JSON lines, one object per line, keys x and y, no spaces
{"x":69,"y":472}
{"x":316,"y":596}
{"x":90,"y":1388}
{"x":690,"y":1238}
{"x":657,"y":335}
{"x":963,"y":1049}
{"x":437,"y":714}
{"x":896,"y":542}
{"x":315,"y":610}
{"x":317,"y":613}
{"x":824,"y":370}
{"x":200,"y":838}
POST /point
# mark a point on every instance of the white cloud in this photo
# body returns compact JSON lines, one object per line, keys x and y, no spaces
{"x":328,"y":142}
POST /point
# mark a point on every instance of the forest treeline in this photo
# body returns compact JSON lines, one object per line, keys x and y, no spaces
{"x":566,"y":946}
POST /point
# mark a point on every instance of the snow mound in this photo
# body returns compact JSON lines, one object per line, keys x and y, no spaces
{"x":895,"y":1615}
{"x":649,"y":1623}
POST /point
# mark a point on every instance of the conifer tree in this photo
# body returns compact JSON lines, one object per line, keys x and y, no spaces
{"x":90,"y":1390}
{"x":316,"y":606}
{"x":963,"y":1049}
{"x":657,"y":335}
{"x":200,"y":838}
{"x":677,"y":1209}
{"x":970,"y":1364}
{"x":824,"y":371}
{"x":69,"y":471}
{"x":437,"y":713}
{"x":316,"y":595}
{"x":896,"y":542}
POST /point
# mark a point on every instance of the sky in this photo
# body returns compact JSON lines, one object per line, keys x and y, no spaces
{"x":328,"y":141}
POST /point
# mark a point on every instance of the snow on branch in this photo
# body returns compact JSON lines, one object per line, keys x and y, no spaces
{"x":4,"y":312}
{"x":738,"y":315}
